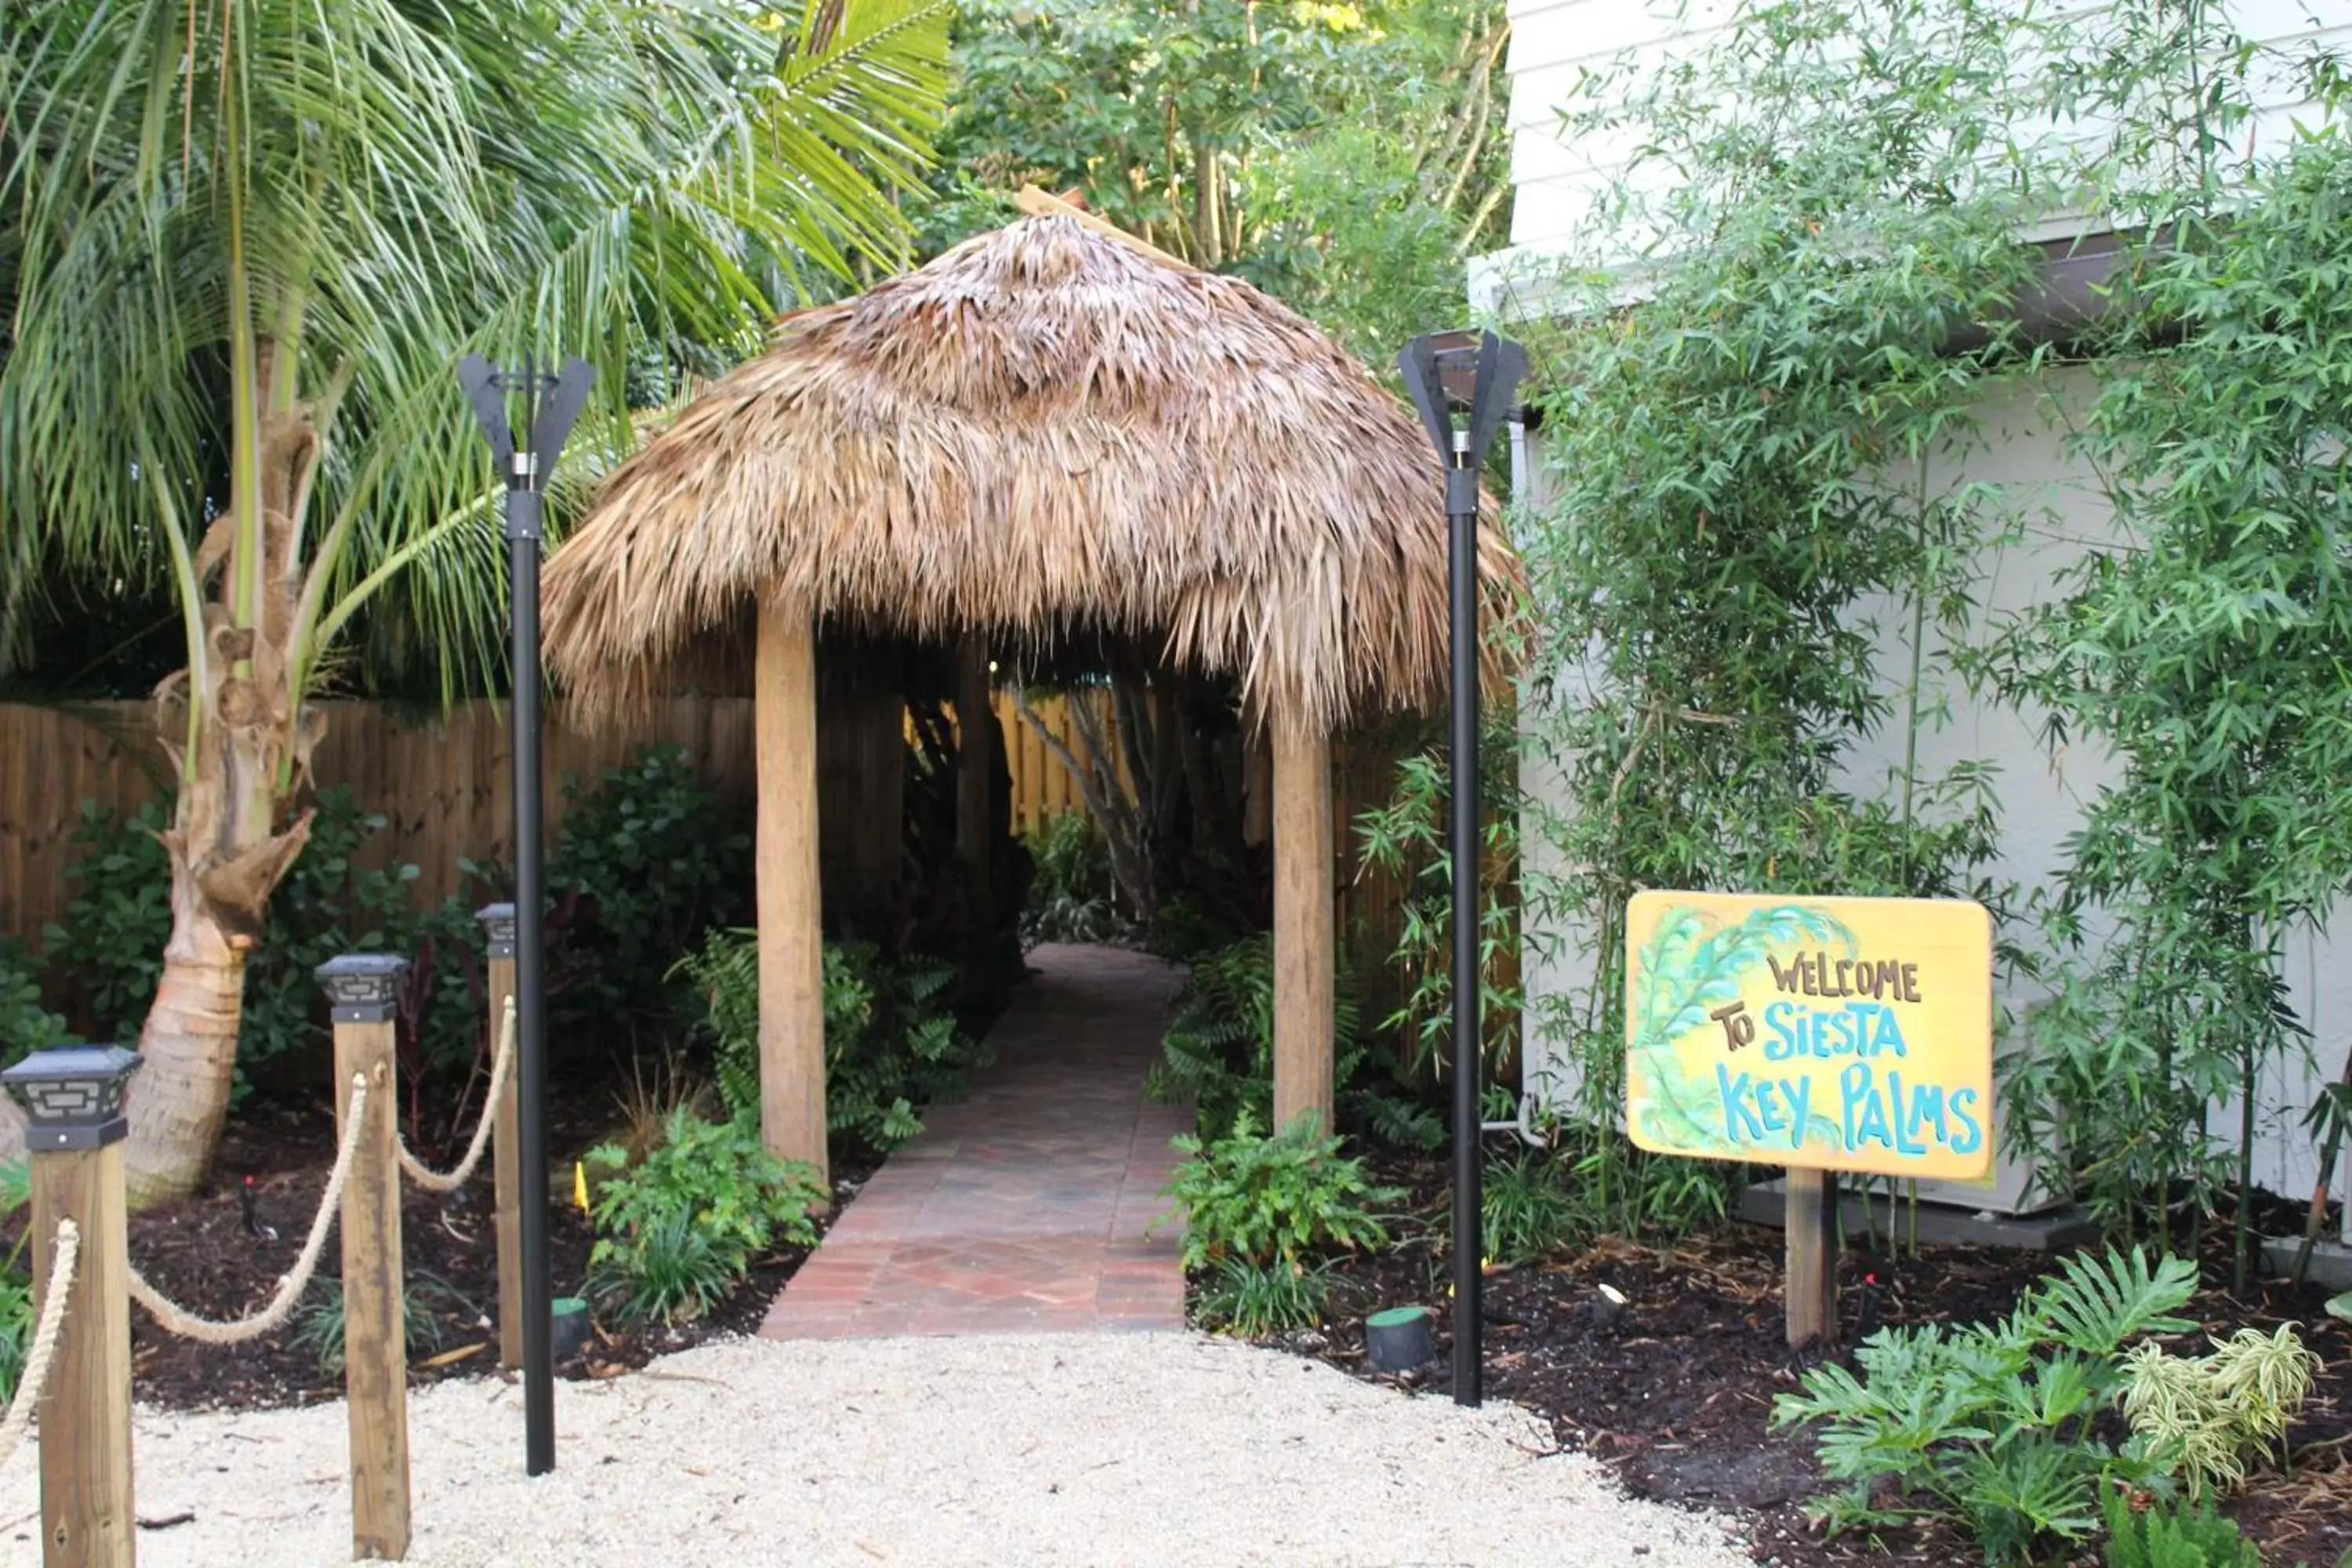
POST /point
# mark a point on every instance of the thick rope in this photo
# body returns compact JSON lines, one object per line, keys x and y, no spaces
{"x":45,"y":1339}
{"x":433,"y":1181}
{"x":291,"y":1286}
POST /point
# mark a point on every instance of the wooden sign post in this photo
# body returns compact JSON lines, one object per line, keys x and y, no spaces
{"x":1823,"y":1034}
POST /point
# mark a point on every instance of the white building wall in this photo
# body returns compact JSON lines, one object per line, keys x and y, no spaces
{"x":2041,"y":794}
{"x":1557,"y":177}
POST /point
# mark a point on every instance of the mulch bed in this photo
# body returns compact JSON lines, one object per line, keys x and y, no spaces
{"x":200,"y":1252}
{"x":1674,"y":1395}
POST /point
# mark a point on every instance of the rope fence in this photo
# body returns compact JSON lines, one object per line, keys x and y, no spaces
{"x":77,"y":1127}
{"x":36,"y":1374}
{"x":177,"y":1320}
{"x":434,"y":1180}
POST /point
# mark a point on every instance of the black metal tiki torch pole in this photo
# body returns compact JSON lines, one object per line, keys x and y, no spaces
{"x":551,"y":405}
{"x":1443,"y":370}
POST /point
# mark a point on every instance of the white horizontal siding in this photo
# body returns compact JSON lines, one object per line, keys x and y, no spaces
{"x":1554,"y":42}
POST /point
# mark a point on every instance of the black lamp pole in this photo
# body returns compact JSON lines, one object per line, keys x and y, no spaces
{"x":1479,"y":373}
{"x":552,"y":404}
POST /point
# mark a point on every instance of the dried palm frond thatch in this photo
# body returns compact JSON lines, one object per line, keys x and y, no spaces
{"x":1042,"y":431}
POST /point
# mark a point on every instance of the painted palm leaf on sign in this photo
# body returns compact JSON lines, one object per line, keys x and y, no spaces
{"x":1692,"y":964}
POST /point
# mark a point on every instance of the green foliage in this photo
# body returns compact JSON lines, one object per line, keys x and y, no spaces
{"x":2191,"y":1536}
{"x":1218,"y":1050}
{"x":110,"y":942}
{"x":1258,"y":1299}
{"x":1073,"y":896}
{"x":325,"y":906}
{"x":1345,"y":157}
{"x":1272,"y":1199}
{"x":16,"y":1316}
{"x":1530,"y":1212}
{"x":1996,"y":1428}
{"x":2212,"y":1415}
{"x":655,"y":861}
{"x":671,"y":1271}
{"x":2209,"y":656}
{"x":16,"y":1319}
{"x":25,"y":1026}
{"x":890,"y":1043}
{"x":676,"y":1229}
{"x":1753,"y":471}
{"x":319,"y":1327}
{"x":643,"y":187}
{"x":1408,"y":837}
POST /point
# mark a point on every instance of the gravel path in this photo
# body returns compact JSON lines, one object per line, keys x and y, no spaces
{"x":1158,"y":1449}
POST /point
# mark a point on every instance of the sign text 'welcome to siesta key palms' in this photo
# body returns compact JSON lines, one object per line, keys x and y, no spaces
{"x":1839,"y":1033}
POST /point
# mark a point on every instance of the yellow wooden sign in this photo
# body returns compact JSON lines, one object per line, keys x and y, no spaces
{"x":1836,"y":1034}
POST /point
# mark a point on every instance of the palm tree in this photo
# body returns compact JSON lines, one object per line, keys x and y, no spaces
{"x":247,"y":242}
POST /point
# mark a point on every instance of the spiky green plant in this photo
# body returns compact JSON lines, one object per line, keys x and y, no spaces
{"x":1256,"y":1298}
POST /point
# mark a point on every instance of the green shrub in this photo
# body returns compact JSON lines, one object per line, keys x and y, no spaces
{"x":326,"y":905}
{"x":1272,"y":1199}
{"x":16,"y":1286}
{"x":1995,"y":1427}
{"x":2158,"y":1537}
{"x":1265,"y":1298}
{"x":890,"y":1042}
{"x":1528,"y":1209}
{"x":653,"y":860}
{"x":112,"y":937}
{"x":1072,"y":898}
{"x":25,"y":1026}
{"x":112,"y":940}
{"x":702,"y":1203}
{"x":2213,"y":1415}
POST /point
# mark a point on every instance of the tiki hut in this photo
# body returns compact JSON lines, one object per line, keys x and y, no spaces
{"x":1049,"y":432}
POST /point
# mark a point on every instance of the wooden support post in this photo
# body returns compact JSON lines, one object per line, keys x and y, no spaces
{"x":1812,"y":1238}
{"x":75,"y":1139}
{"x":360,"y":987}
{"x":1306,"y":966}
{"x":974,"y":755}
{"x":791,"y":942}
{"x":499,"y":924}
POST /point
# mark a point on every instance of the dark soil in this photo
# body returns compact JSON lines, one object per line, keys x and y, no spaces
{"x":1674,"y":1394}
{"x":200,"y":1252}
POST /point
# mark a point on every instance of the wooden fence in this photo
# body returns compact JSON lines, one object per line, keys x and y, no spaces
{"x":439,"y":780}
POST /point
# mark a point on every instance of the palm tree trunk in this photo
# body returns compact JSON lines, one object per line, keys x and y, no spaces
{"x":251,"y":742}
{"x":180,"y":1098}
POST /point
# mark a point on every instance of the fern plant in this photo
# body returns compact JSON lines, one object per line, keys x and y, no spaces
{"x":1996,"y":1428}
{"x":1218,"y":1051}
{"x":2158,"y":1537}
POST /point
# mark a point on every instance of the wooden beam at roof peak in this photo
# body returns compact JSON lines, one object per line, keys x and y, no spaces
{"x":1044,"y":204}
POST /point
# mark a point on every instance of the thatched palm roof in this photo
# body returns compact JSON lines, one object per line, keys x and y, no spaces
{"x":1041,"y":432}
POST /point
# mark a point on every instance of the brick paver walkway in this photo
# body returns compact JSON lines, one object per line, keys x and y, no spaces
{"x":1022,"y":1209}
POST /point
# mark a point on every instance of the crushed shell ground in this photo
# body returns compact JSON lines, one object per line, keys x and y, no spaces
{"x":1160,"y":1449}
